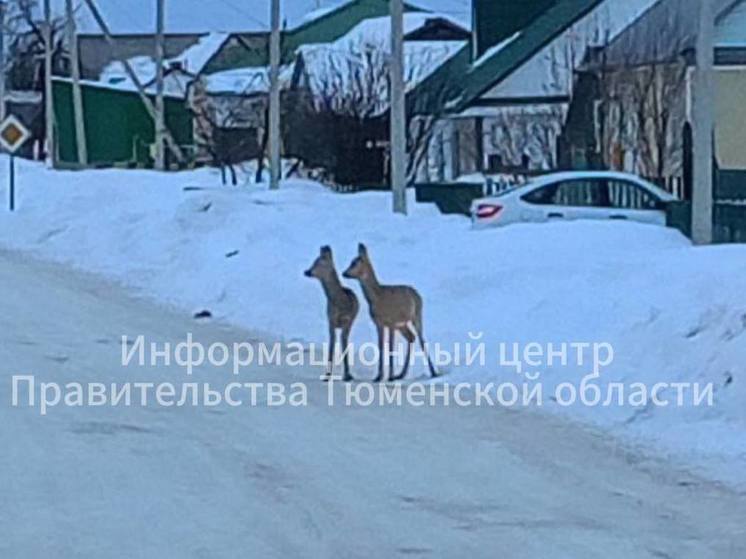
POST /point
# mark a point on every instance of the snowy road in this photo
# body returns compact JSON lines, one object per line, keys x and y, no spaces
{"x":305,"y":482}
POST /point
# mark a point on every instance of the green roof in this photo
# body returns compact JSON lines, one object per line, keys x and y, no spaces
{"x":323,"y":29}
{"x":464,"y":81}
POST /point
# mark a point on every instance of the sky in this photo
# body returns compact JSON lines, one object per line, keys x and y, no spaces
{"x":189,"y":16}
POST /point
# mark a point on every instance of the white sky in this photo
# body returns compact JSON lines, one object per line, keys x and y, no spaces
{"x":132,"y":16}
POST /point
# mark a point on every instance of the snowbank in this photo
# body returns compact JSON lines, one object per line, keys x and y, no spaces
{"x":673,"y":313}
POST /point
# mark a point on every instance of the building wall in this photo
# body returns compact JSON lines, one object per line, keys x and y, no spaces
{"x":730,"y":117}
{"x":96,"y":53}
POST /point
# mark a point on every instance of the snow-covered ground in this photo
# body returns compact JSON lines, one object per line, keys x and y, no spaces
{"x":317,"y":481}
{"x":672,"y":312}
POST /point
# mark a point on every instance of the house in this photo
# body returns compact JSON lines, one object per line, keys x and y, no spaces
{"x":634,"y":108}
{"x":344,"y":63}
{"x":502,"y":101}
{"x":114,"y":98}
{"x":237,"y":60}
{"x":341,"y":93}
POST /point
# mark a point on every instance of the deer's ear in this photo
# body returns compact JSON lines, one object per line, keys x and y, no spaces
{"x":361,"y":250}
{"x":326,"y":250}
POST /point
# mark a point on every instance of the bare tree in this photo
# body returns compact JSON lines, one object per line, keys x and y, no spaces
{"x":25,"y":34}
{"x":641,"y":111}
{"x":240,"y":112}
{"x":353,"y":82}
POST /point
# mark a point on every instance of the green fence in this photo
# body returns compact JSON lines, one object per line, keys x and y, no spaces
{"x":118,"y":127}
{"x":729,"y":210}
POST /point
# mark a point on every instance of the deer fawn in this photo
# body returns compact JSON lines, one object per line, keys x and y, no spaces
{"x":341,"y":306}
{"x":393,"y":308}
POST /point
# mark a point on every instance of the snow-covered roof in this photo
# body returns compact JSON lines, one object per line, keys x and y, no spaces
{"x":180,"y":69}
{"x":377,"y":30}
{"x":128,"y":87}
{"x":335,"y":65}
{"x":244,"y":81}
{"x":194,"y":59}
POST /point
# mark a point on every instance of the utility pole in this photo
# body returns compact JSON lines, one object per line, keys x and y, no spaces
{"x":2,"y":60}
{"x":72,"y":41}
{"x":170,"y":141}
{"x":49,"y":104}
{"x":274,"y":97}
{"x":703,"y":126}
{"x":398,"y":117}
{"x":160,"y":117}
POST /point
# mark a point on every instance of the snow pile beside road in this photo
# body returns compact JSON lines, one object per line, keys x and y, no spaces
{"x":673,"y":313}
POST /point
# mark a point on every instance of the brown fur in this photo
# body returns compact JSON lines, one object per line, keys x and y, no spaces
{"x":396,"y":308}
{"x":341,"y":306}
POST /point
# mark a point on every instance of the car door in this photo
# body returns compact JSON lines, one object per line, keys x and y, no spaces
{"x":581,"y":198}
{"x":633,"y":202}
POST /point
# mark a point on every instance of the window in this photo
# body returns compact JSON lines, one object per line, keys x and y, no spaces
{"x":577,"y":193}
{"x":630,"y":196}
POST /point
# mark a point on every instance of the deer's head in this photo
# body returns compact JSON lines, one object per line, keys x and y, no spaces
{"x":360,"y":268}
{"x":323,"y":266}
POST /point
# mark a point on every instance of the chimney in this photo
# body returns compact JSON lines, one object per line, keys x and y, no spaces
{"x":493,"y":21}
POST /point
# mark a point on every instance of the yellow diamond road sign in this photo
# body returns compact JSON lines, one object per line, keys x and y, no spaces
{"x":13,"y":134}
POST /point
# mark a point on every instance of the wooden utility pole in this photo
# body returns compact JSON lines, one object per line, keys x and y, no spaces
{"x":274,"y":97}
{"x":398,"y":120}
{"x":2,"y":60}
{"x":703,"y":126}
{"x":72,"y":41}
{"x":170,"y":142}
{"x":160,"y":117}
{"x":48,"y":101}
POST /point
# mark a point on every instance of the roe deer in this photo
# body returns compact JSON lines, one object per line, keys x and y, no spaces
{"x":341,"y":306}
{"x":392,"y":307}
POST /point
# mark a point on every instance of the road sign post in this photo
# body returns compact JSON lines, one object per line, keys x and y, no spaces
{"x":12,"y":186}
{"x":13,"y":134}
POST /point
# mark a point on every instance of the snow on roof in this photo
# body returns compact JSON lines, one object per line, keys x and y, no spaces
{"x":368,"y":44}
{"x":365,"y":46}
{"x":115,"y":73}
{"x":493,"y":50}
{"x":185,"y":66}
{"x":244,"y":81}
{"x":377,"y":30}
{"x":332,"y":70}
{"x":127,"y":86}
{"x":191,"y":61}
{"x":194,"y":59}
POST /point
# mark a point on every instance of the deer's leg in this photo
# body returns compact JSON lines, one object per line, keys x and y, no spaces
{"x":345,"y":347}
{"x":390,"y":350}
{"x":433,"y":372}
{"x":379,"y":378}
{"x":332,"y":348}
{"x":410,"y":342}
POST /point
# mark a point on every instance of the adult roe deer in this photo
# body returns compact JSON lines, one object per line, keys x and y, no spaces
{"x":341,"y":306}
{"x":393,"y":308}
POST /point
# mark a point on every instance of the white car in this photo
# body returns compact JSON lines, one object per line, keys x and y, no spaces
{"x":574,"y":195}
